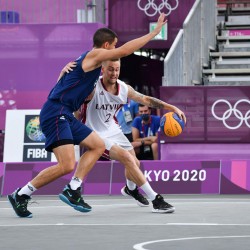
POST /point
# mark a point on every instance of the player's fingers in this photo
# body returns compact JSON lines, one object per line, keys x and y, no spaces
{"x":183,"y":117}
{"x":72,"y":64}
{"x":162,"y":17}
{"x":65,"y":69}
{"x":70,"y":67}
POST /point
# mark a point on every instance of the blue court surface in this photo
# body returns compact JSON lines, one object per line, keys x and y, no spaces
{"x":200,"y":222}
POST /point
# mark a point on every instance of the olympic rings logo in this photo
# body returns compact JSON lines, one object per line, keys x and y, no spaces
{"x":232,"y":110}
{"x":151,"y":8}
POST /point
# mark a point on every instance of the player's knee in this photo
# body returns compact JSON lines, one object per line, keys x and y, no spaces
{"x":97,"y":146}
{"x":101,"y":147}
{"x":137,"y":162}
{"x":70,"y":168}
{"x":127,"y":159}
{"x":67,"y":167}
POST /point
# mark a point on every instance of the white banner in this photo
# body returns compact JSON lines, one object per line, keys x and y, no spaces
{"x":24,"y":140}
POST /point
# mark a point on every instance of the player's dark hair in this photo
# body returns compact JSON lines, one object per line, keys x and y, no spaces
{"x":103,"y":35}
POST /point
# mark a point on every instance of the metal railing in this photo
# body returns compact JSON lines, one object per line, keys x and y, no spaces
{"x":190,"y":50}
{"x":173,"y":63}
{"x":52,"y":11}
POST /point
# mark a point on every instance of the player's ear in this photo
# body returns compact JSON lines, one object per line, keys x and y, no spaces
{"x":106,"y":45}
{"x":103,"y":66}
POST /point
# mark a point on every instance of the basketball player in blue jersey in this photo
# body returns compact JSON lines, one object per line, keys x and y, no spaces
{"x":98,"y":113}
{"x":63,"y":130}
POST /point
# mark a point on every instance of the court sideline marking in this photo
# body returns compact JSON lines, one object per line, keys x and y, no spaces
{"x":140,"y":246}
{"x":123,"y":224}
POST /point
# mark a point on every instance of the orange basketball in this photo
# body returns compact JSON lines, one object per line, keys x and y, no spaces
{"x":171,"y":124}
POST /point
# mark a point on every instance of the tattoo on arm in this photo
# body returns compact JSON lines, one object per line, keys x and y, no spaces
{"x":146,"y":100}
{"x":134,"y":95}
{"x":139,"y":95}
{"x":155,"y":103}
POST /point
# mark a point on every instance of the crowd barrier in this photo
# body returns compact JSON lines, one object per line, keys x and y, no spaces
{"x":166,"y":177}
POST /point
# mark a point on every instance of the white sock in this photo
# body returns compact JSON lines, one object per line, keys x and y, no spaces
{"x":28,"y":189}
{"x":75,"y":183}
{"x":148,"y":191}
{"x":130,"y":184}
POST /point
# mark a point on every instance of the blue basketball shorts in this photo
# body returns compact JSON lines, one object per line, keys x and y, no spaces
{"x":62,"y":128}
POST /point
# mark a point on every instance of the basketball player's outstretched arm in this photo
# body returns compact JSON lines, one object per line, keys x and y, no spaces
{"x":96,"y":56}
{"x":153,"y":102}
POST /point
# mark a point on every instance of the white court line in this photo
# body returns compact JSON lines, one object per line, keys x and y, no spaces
{"x":108,"y":199}
{"x":140,"y":246}
{"x":118,"y":224}
{"x":55,"y":200}
{"x":238,"y":201}
{"x":36,"y":206}
{"x":206,"y":224}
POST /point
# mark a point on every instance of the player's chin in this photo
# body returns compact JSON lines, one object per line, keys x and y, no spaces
{"x":113,"y":80}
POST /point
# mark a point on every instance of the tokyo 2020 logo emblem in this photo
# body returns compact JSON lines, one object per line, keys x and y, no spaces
{"x":242,"y":116}
{"x":154,"y":7}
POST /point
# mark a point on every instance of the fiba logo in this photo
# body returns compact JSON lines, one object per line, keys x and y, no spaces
{"x":154,"y":7}
{"x":240,"y":114}
{"x":34,"y":148}
{"x":33,"y":130}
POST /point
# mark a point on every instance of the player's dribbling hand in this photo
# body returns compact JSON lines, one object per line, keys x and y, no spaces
{"x":180,"y":114}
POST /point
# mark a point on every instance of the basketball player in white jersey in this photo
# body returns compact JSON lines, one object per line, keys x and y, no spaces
{"x":98,"y":113}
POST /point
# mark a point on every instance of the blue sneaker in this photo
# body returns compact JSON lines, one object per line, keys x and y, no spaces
{"x":74,"y":199}
{"x":19,"y":204}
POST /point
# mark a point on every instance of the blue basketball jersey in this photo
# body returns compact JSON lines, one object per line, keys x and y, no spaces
{"x":56,"y":117}
{"x":73,"y":88}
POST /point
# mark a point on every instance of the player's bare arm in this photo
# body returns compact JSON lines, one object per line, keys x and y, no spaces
{"x":153,"y":102}
{"x":147,"y":100}
{"x":96,"y":56}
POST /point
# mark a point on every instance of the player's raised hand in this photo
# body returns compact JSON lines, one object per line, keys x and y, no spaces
{"x":161,"y":21}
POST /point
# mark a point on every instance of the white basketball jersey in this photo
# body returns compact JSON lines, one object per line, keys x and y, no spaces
{"x":101,"y":110}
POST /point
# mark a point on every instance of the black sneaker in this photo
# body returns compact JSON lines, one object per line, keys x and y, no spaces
{"x":161,"y":206}
{"x":19,"y":204}
{"x":74,"y":199}
{"x":141,"y":200}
